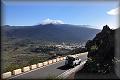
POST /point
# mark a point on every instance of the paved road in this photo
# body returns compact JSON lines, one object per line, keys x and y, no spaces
{"x":51,"y":70}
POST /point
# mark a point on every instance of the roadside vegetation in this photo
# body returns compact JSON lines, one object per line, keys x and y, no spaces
{"x":20,"y":53}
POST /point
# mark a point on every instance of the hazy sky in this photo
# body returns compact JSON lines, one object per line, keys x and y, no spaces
{"x":83,"y":13}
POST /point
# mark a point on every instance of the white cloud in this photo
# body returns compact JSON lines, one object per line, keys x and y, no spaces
{"x":48,"y":21}
{"x":114,"y":11}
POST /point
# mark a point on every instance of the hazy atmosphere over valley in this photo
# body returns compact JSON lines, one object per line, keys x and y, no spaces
{"x":39,"y":31}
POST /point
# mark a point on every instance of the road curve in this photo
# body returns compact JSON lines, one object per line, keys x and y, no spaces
{"x":45,"y":72}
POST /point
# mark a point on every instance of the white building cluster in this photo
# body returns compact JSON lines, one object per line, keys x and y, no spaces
{"x":63,"y":45}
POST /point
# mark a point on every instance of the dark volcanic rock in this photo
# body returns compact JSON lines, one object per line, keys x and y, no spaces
{"x":101,"y":52}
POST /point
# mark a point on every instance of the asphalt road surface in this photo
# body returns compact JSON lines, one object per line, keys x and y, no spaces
{"x":48,"y":71}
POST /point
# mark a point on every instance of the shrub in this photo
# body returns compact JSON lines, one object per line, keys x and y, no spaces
{"x":94,"y":48}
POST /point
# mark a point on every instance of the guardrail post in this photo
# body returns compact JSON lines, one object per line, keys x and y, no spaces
{"x":33,"y":66}
{"x":45,"y":63}
{"x":50,"y":61}
{"x":58,"y":59}
{"x":27,"y":68}
{"x":17,"y":71}
{"x":54,"y":60}
{"x":61,"y":58}
{"x":64,"y":58}
{"x":6,"y":75}
{"x":39,"y":65}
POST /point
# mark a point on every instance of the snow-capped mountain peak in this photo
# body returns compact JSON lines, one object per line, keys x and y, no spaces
{"x":51,"y":21}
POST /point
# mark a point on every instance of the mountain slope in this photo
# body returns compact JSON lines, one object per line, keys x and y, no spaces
{"x":52,"y":32}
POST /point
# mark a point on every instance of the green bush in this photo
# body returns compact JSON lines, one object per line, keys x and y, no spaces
{"x":94,"y":48}
{"x":11,"y":67}
{"x":36,"y":60}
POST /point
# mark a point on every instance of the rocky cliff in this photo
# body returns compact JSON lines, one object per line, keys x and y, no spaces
{"x":101,"y":52}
